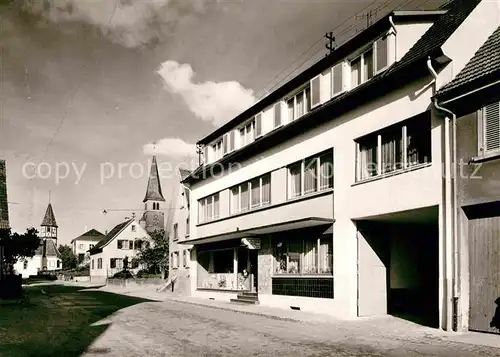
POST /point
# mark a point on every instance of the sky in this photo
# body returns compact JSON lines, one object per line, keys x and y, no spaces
{"x":90,"y":89}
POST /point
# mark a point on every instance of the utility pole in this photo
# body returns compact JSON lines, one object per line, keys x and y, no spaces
{"x":330,"y":46}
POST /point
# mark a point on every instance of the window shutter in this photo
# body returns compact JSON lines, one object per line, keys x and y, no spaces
{"x":231,"y":140}
{"x":315,"y":92}
{"x":491,"y":127}
{"x":277,"y":114}
{"x":225,"y":143}
{"x":258,"y":125}
{"x":337,"y":80}
{"x":381,"y":49}
{"x":205,"y":155}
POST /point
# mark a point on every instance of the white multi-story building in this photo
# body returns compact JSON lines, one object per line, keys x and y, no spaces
{"x":83,"y":243}
{"x":333,"y":193}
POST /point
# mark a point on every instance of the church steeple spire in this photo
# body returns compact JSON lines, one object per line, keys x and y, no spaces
{"x":49,"y":224}
{"x":153,"y":192}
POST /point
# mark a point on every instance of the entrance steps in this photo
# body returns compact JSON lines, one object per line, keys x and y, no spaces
{"x":247,"y":298}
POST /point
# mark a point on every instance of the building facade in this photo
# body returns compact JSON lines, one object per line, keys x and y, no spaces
{"x":471,"y":104}
{"x":333,"y":193}
{"x":4,"y":209}
{"x":180,"y":254}
{"x":123,"y":241}
{"x":83,"y":243}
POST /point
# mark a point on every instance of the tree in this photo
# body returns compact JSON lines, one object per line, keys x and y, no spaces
{"x":18,"y":246}
{"x":68,"y":258}
{"x":155,"y":255}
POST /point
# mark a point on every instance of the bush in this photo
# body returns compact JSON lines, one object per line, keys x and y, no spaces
{"x":48,"y":277}
{"x":145,"y":274}
{"x":124,"y":274}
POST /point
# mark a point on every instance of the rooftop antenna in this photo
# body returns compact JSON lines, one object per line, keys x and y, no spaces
{"x":330,"y":46}
{"x":50,"y":193}
{"x":368,"y":16}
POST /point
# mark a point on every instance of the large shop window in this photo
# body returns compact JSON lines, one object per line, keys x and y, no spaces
{"x":209,"y":208}
{"x":216,"y":270}
{"x":251,"y":194}
{"x":311,"y":175}
{"x":399,"y":147}
{"x":303,"y":256}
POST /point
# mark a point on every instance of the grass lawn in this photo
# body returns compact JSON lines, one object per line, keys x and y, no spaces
{"x":54,"y":320}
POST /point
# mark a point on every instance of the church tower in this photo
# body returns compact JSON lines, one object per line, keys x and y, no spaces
{"x":49,"y":225}
{"x":154,"y":217}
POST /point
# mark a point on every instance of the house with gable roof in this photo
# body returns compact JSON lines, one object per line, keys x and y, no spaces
{"x":124,"y":240}
{"x":83,"y":243}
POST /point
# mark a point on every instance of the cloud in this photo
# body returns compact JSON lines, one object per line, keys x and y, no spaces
{"x":131,"y":23}
{"x":173,"y":147}
{"x":215,"y":102}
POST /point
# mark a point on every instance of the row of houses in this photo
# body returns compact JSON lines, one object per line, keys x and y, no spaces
{"x":366,"y":185}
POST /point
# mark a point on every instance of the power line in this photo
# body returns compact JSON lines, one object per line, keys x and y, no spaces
{"x":264,"y":91}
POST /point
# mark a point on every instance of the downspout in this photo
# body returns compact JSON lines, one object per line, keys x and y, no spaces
{"x":393,"y":26}
{"x":454,"y":199}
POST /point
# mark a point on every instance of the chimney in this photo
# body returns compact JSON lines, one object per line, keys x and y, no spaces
{"x":86,"y":229}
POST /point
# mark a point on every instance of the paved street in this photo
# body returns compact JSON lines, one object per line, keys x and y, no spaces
{"x":179,"y":329}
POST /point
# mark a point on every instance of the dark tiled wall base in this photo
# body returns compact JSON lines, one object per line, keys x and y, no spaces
{"x":306,"y":287}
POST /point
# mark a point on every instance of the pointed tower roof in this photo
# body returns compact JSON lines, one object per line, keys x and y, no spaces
{"x":153,"y":192}
{"x":49,"y":219}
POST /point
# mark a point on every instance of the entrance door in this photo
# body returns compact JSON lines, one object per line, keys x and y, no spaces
{"x":372,"y":277}
{"x":484,"y":262}
{"x":253,"y":260}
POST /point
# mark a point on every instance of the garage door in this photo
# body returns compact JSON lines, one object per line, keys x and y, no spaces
{"x":484,"y":260}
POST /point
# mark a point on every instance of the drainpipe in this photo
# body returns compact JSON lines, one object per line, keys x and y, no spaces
{"x":393,"y":26}
{"x":453,"y":202}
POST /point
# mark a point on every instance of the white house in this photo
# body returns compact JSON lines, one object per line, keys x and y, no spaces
{"x":47,"y":257}
{"x":333,"y":193}
{"x":83,"y":243}
{"x":106,"y":258}
{"x":180,"y":254}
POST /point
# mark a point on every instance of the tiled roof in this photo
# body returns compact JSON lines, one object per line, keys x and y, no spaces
{"x":439,"y":32}
{"x":111,"y":235}
{"x":91,"y":235}
{"x":4,"y":207}
{"x":486,"y":61}
{"x":49,"y":219}
{"x":49,"y":246}
{"x":153,"y":192}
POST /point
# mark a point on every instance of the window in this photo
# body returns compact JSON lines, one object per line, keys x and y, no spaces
{"x":122,"y":244}
{"x":112,"y":263}
{"x":247,"y":133}
{"x":92,"y":264}
{"x":185,"y":258}
{"x":303,"y":256}
{"x":401,"y":146}
{"x":251,"y":194}
{"x":187,"y":227}
{"x":277,"y":114}
{"x":209,"y":208}
{"x":130,"y":244}
{"x":299,"y":104}
{"x":133,"y":228}
{"x":258,"y":125}
{"x":373,"y":60}
{"x":25,"y":265}
{"x":217,"y":150}
{"x":91,"y":246}
{"x":489,"y":129}
{"x":315,"y":92}
{"x":81,"y":246}
{"x":58,"y":264}
{"x":176,"y":231}
{"x":311,"y":175}
{"x":81,"y":258}
{"x":138,"y":244}
{"x":175,"y":261}
{"x":337,"y":79}
{"x":99,"y":263}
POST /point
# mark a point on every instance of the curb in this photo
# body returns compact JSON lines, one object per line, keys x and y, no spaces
{"x":255,"y":313}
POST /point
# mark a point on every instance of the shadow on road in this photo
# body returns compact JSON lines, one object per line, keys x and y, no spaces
{"x":55,"y":320}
